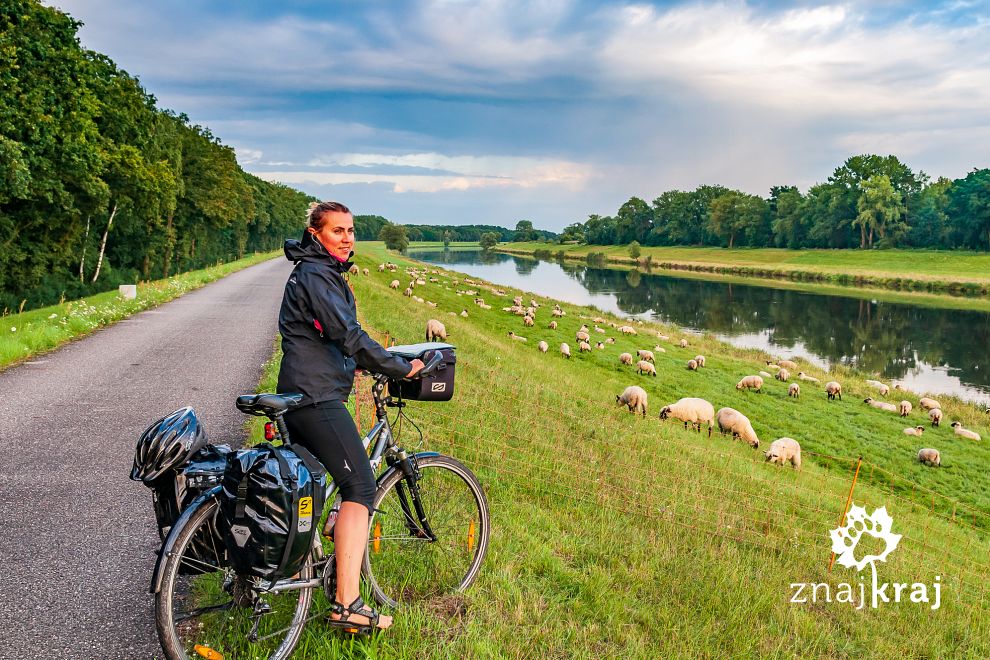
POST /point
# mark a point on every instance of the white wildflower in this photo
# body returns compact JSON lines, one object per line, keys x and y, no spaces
{"x":13,"y":329}
{"x":53,"y":316}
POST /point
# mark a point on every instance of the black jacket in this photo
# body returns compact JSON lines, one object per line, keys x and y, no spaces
{"x":321,"y":338}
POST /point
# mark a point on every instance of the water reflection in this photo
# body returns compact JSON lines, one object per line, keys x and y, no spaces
{"x":928,"y":349}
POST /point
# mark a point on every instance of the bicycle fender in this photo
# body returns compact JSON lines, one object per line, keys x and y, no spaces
{"x":417,"y":455}
{"x":166,"y":550}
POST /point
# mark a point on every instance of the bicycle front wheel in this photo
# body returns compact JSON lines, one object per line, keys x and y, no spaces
{"x":203,"y":606}
{"x":402,"y":563}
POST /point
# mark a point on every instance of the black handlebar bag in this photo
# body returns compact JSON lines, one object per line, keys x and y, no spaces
{"x":271,"y":502}
{"x":436,"y":386}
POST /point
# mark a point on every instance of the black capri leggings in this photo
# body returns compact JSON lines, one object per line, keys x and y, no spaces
{"x":327,"y":430}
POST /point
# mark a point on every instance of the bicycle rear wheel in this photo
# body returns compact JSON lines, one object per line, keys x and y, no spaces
{"x":203,"y":606}
{"x":401,"y":563}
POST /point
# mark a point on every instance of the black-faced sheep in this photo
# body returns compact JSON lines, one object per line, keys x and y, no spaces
{"x":543,"y":346}
{"x":528,"y":321}
{"x":965,"y":433}
{"x":764,"y":374}
{"x":782,"y":375}
{"x":626,"y":358}
{"x":928,"y":404}
{"x":634,"y":397}
{"x":644,"y":367}
{"x":516,"y":337}
{"x":565,"y":350}
{"x":750,"y":383}
{"x":646,"y":355}
{"x":935,"y":415}
{"x":882,"y":405}
{"x":787,"y":364}
{"x":553,"y":325}
{"x":582,"y":336}
{"x":600,"y":346}
{"x":929,"y":457}
{"x":692,"y":365}
{"x":883,"y":389}
{"x":904,"y":408}
{"x":683,"y":343}
{"x":794,"y":390}
{"x":810,"y":379}
{"x":691,"y":410}
{"x":832,"y":390}
{"x":914,"y":430}
{"x":394,"y":284}
{"x":584,"y":347}
{"x":700,"y":359}
{"x":783,"y":450}
{"x":732,"y":421}
{"x":435,"y":330}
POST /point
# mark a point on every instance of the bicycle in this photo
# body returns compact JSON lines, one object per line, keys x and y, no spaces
{"x":428,"y":536}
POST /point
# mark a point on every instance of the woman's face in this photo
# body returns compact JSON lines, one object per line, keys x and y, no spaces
{"x":337,"y":235}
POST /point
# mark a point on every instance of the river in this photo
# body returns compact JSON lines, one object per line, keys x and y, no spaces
{"x":926,"y":349}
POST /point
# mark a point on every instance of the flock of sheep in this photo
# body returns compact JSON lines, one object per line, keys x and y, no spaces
{"x":689,"y":410}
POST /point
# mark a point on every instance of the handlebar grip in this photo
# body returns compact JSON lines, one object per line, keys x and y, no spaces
{"x":431,"y":365}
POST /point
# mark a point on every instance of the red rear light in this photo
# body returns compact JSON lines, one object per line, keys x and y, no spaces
{"x":269,"y":430}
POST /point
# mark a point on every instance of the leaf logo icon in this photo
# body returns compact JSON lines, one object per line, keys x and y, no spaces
{"x":877,"y":525}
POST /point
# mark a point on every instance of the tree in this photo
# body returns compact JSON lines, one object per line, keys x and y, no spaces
{"x":446,"y":238}
{"x":525,"y":231}
{"x":969,"y":209}
{"x":880,"y":211}
{"x":488,"y":240}
{"x":395,"y":237}
{"x":734,"y":214}
{"x":634,"y":250}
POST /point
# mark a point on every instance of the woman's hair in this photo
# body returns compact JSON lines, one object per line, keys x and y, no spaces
{"x":316,"y":216}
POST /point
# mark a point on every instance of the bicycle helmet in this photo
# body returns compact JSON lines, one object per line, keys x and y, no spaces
{"x":166,"y":444}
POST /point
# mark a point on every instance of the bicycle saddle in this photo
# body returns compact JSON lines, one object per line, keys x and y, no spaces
{"x":267,"y":404}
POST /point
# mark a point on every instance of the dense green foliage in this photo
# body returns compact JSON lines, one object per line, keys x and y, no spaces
{"x":869,"y":201}
{"x":98,"y":186}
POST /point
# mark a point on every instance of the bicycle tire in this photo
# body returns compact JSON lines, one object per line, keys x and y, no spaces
{"x":224,"y":629}
{"x":401,"y":566}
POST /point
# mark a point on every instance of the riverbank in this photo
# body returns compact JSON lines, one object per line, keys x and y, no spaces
{"x":955,"y":273}
{"x":619,"y":535}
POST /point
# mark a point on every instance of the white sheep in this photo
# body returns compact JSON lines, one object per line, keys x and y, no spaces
{"x":928,"y":404}
{"x":794,"y":390}
{"x":783,"y":450}
{"x":935,"y":415}
{"x":764,"y":374}
{"x":810,"y":379}
{"x":965,"y":433}
{"x":528,"y":321}
{"x":659,"y":349}
{"x":914,"y":430}
{"x":750,"y":382}
{"x":634,"y":397}
{"x":787,"y":364}
{"x":394,"y":284}
{"x":904,"y":407}
{"x":435,"y":330}
{"x":683,"y":343}
{"x":543,"y":346}
{"x":464,"y":313}
{"x":610,"y":340}
{"x":692,"y":365}
{"x":882,"y":405}
{"x":690,"y":410}
{"x":883,"y":389}
{"x":771,"y":366}
{"x":366,"y":271}
{"x":354,"y":270}
{"x":832,"y":390}
{"x":565,"y":350}
{"x":553,"y":325}
{"x":782,"y":375}
{"x":627,"y":330}
{"x":646,"y":355}
{"x":407,"y":293}
{"x":600,"y":346}
{"x":557,"y":313}
{"x":644,"y":367}
{"x":731,"y":420}
{"x":929,"y":457}
{"x":626,"y":358}
{"x":584,"y":347}
{"x":700,"y":359}
{"x":381,"y":268}
{"x":582,"y":335}
{"x":663,"y":336}
{"x":516,"y":337}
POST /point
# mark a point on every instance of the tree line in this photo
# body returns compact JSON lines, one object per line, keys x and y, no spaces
{"x":99,"y":186}
{"x":869,"y":201}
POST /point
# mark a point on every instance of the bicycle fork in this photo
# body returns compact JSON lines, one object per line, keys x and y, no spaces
{"x":408,"y":490}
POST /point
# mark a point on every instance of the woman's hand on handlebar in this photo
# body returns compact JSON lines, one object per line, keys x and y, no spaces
{"x":417,"y":366}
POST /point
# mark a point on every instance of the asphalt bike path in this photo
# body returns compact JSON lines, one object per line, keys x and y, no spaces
{"x":77,"y":537}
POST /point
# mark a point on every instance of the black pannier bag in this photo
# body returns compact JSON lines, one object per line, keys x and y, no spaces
{"x":437,"y":386}
{"x":270,"y":505}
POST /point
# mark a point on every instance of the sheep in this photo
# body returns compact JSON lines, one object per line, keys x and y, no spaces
{"x":794,"y":390}
{"x":965,"y":433}
{"x":730,"y":419}
{"x":772,"y":366}
{"x":764,"y":374}
{"x":431,"y":304}
{"x":882,"y":405}
{"x":583,"y":328}
{"x":354,"y":270}
{"x":782,"y":375}
{"x":528,"y":321}
{"x":517,"y":301}
{"x":626,"y":358}
{"x":553,"y":325}
{"x":600,"y":346}
{"x":929,"y":457}
{"x":583,"y":347}
{"x":659,"y":349}
{"x":581,"y":335}
{"x":543,"y":346}
{"x":783,"y":450}
{"x":700,"y":359}
{"x":646,"y":355}
{"x":935,"y":415}
{"x":407,"y":293}
{"x":610,"y":340}
{"x":420,"y":281}
{"x":516,"y":337}
{"x":833,"y":389}
{"x":565,"y":350}
{"x":366,"y":271}
{"x":904,"y":407}
{"x":914,"y":430}
{"x":598,"y":319}
{"x":663,"y":336}
{"x":928,"y":404}
{"x":692,"y":365}
{"x":810,"y":379}
{"x":381,"y":268}
{"x":418,"y":299}
{"x":787,"y":364}
{"x":557,"y":313}
{"x":533,"y":303}
{"x":627,"y":330}
{"x":600,"y":331}
{"x":644,"y":367}
{"x":690,"y":410}
{"x":634,"y":397}
{"x":683,"y":343}
{"x":464,"y":313}
{"x":750,"y":382}
{"x":394,"y":284}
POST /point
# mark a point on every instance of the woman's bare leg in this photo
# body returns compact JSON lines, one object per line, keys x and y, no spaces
{"x":350,"y":536}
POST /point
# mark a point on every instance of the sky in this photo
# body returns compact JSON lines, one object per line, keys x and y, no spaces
{"x":490,"y":112}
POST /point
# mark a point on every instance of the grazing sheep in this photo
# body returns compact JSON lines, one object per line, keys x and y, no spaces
{"x":690,"y":410}
{"x":626,"y":358}
{"x":381,"y":268}
{"x":904,"y":407}
{"x":772,"y":366}
{"x":782,"y":375}
{"x":646,"y":355}
{"x":430,"y":304}
{"x":700,"y":359}
{"x":418,"y":299}
{"x":583,"y":328}
{"x":366,"y":271}
{"x":929,"y":457}
{"x":627,"y":330}
{"x":517,"y":301}
{"x":764,"y":374}
{"x":935,"y":415}
{"x":659,"y":349}
{"x":407,"y":293}
{"x":787,"y":364}
{"x":683,"y":343}
{"x":543,"y":346}
{"x":516,"y":337}
{"x":528,"y":321}
{"x":663,"y":336}
{"x":598,"y":319}
{"x":599,"y":330}
{"x":644,"y":367}
{"x":557,"y":313}
{"x":692,"y":365}
{"x":794,"y":390}
{"x":600,"y":346}
{"x":553,"y":325}
{"x":354,"y":270}
{"x":750,"y":382}
{"x":584,"y":347}
{"x":634,"y":397}
{"x":833,"y":389}
{"x":731,"y":420}
{"x":582,"y":336}
{"x":928,"y":404}
{"x":965,"y":433}
{"x":783,"y":450}
{"x":464,"y":313}
{"x":882,"y":405}
{"x":810,"y":379}
{"x":394,"y":284}
{"x":565,"y":350}
{"x":610,"y":340}
{"x":420,"y":281}
{"x":914,"y":430}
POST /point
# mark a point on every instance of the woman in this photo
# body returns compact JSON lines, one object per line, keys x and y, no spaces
{"x":322,"y":343}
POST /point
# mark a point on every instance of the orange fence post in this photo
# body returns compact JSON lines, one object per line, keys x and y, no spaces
{"x":845,"y":510}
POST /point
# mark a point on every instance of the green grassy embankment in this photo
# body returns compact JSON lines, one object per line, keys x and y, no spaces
{"x":616,"y":535}
{"x":30,"y":333}
{"x":955,"y":272}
